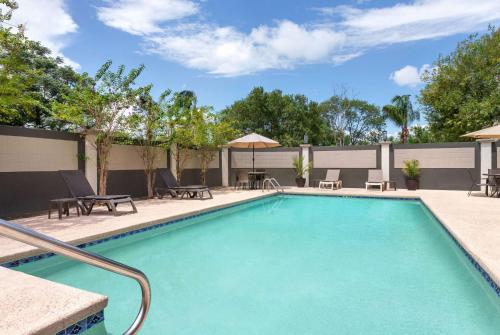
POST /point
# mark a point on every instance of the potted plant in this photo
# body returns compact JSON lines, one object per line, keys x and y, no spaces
{"x":300,"y":170}
{"x":411,"y":170}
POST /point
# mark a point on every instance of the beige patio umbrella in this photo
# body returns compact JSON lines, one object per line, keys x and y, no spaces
{"x":491,"y":132}
{"x":253,"y":141}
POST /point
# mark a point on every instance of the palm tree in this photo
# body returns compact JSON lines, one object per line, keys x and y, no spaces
{"x":401,"y":113}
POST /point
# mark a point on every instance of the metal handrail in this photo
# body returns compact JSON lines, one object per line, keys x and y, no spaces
{"x":29,"y":236}
{"x":274,"y":183}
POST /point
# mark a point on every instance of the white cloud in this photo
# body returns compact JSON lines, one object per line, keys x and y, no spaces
{"x":345,"y":32}
{"x":342,"y":58}
{"x":227,"y":52}
{"x":48,"y":22}
{"x":409,"y":75}
{"x":141,"y":17}
{"x":421,"y":19}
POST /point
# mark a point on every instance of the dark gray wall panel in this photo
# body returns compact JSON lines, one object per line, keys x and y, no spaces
{"x":350,"y":177}
{"x":193,"y":177}
{"x":39,"y":133}
{"x":131,"y":182}
{"x":29,"y":192}
{"x":438,"y":179}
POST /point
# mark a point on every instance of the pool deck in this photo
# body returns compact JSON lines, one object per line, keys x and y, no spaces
{"x":31,"y":305}
{"x":473,"y":221}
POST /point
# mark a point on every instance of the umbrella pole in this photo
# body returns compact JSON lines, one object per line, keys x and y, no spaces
{"x":253,"y":157}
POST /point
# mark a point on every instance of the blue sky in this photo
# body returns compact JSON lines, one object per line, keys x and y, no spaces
{"x":221,"y":49}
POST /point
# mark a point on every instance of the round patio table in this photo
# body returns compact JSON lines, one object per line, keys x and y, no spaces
{"x":255,"y":177}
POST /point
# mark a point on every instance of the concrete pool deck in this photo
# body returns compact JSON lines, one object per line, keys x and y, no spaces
{"x":474,"y":221}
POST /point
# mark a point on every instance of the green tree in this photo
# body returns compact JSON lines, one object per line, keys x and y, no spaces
{"x":352,"y":121}
{"x":209,"y":135}
{"x":148,"y":125}
{"x":6,"y":12}
{"x":101,"y":103}
{"x":401,"y":112}
{"x":30,"y":78}
{"x":421,"y":134}
{"x":462,"y":93}
{"x":286,"y":118}
{"x":16,"y":77}
{"x":181,"y":110}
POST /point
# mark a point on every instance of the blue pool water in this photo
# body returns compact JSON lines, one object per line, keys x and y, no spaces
{"x":294,"y":265}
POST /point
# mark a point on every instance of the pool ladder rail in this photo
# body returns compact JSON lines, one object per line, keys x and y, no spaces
{"x":29,"y":236}
{"x":269,"y":183}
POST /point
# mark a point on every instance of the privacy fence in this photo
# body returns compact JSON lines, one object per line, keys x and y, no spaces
{"x":30,"y":160}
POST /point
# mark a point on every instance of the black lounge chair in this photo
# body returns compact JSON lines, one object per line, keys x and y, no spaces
{"x":80,"y":189}
{"x":175,"y":190}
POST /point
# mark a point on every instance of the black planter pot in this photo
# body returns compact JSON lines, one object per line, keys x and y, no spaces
{"x":412,"y":184}
{"x":300,"y":181}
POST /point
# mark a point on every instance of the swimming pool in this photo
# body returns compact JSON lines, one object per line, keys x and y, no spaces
{"x":294,"y":265}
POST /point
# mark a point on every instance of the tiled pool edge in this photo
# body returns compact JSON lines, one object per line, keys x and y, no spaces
{"x":475,"y":263}
{"x":83,"y":325}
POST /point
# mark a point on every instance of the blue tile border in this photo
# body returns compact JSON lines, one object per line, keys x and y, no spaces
{"x":83,"y":325}
{"x":484,"y":274}
{"x":353,"y":196}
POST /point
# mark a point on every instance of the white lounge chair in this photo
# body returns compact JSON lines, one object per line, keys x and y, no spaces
{"x":331,"y":180}
{"x":375,"y":178}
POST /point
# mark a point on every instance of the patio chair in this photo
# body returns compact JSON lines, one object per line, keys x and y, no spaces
{"x":375,"y":178}
{"x":242,"y":180}
{"x":331,"y":179}
{"x":80,"y":189}
{"x":495,"y":185}
{"x":486,"y":183}
{"x":493,"y":182}
{"x":177,"y":191}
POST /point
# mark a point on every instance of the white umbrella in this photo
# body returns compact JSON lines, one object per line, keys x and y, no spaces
{"x":491,"y":132}
{"x":253,"y":141}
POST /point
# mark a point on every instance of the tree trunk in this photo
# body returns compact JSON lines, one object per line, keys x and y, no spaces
{"x":182,"y":156}
{"x":103,"y":149}
{"x":203,"y":173}
{"x":148,"y":154}
{"x":150,"y":181}
{"x":103,"y":175}
{"x":404,"y":135}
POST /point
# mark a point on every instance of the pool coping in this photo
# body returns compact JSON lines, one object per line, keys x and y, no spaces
{"x":33,"y":305}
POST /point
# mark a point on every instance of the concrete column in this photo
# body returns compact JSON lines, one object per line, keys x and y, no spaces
{"x":91,"y":160}
{"x":305,"y":154}
{"x":173,"y":161}
{"x":225,"y":166}
{"x":486,"y":156}
{"x":385,"y":156}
